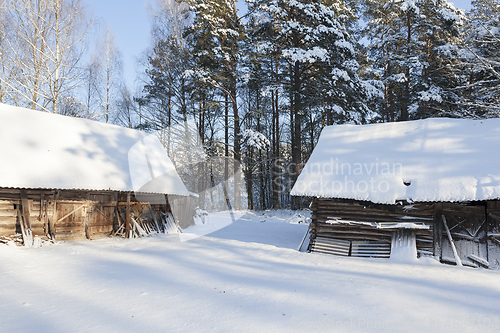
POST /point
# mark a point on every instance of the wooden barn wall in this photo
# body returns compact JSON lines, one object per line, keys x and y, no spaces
{"x":8,"y":217}
{"x":474,"y":227}
{"x":67,"y":215}
{"x":467,"y":226}
{"x":329,"y":209}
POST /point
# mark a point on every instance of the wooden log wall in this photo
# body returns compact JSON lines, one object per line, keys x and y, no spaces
{"x":352,"y":210}
{"x":475,"y":226}
{"x":70,"y":215}
{"x":65,"y":215}
{"x":8,"y":218}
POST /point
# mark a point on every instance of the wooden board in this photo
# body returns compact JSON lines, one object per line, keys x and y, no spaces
{"x":69,"y":221}
{"x":469,"y":221}
{"x":325,"y":209}
{"x":493,"y":228}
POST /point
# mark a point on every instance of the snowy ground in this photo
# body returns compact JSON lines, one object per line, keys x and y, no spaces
{"x":246,"y":277}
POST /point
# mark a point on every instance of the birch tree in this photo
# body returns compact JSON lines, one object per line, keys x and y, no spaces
{"x":65,"y":48}
{"x":3,"y":69}
{"x":91,"y":93}
{"x":110,"y":72}
{"x":44,"y":50}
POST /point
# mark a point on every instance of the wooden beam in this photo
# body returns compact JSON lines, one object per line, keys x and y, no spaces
{"x":25,"y":221}
{"x":127,"y":222}
{"x":43,"y":214}
{"x":303,"y":239}
{"x":116,"y":213}
{"x":438,"y":230}
{"x":87,"y":217}
{"x":73,"y":211}
{"x":52,"y":221}
{"x":97,"y":209}
{"x":455,"y":253}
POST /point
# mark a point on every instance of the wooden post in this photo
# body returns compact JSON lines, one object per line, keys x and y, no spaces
{"x":52,"y":221}
{"x":44,"y":215}
{"x":303,"y":239}
{"x":26,"y":222}
{"x":455,"y":253}
{"x":116,"y":213}
{"x":87,"y":216}
{"x":127,"y":222}
{"x":438,"y":230}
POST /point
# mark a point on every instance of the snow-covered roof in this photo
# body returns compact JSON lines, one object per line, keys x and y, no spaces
{"x":430,"y":160}
{"x":43,"y":150}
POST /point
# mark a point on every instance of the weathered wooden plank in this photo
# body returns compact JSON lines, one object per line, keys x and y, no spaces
{"x":70,"y":230}
{"x":414,"y":207}
{"x":438,"y":230}
{"x":354,"y":237}
{"x":69,"y":225}
{"x":70,"y":213}
{"x":100,"y":226}
{"x":493,"y":205}
{"x":6,"y":205}
{"x":354,"y":231}
{"x":452,"y":243}
{"x":8,"y":212}
{"x":25,"y":220}
{"x":7,"y":220}
{"x":127,"y":218}
{"x":70,"y":237}
{"x":462,"y":210}
{"x":371,"y":216}
{"x":105,"y":228}
{"x":8,"y":227}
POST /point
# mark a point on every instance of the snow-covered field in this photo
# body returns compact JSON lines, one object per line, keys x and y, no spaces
{"x":246,"y":277}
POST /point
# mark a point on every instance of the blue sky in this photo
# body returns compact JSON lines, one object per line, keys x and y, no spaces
{"x":129,"y":22}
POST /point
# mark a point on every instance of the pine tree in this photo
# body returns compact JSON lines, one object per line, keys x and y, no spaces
{"x":480,"y":55}
{"x":406,"y":37}
{"x":315,"y":57}
{"x":215,"y":38}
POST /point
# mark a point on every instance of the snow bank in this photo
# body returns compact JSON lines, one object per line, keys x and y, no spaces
{"x":247,"y":277}
{"x":426,"y":160}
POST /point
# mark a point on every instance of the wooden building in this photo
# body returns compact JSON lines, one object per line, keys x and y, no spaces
{"x":67,"y":178}
{"x":427,"y":187}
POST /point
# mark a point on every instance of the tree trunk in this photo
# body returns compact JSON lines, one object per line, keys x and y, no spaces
{"x":296,"y":127}
{"x":406,"y":103}
{"x":237,"y":148}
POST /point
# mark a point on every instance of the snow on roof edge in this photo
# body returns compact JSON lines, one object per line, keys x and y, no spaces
{"x":441,"y":159}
